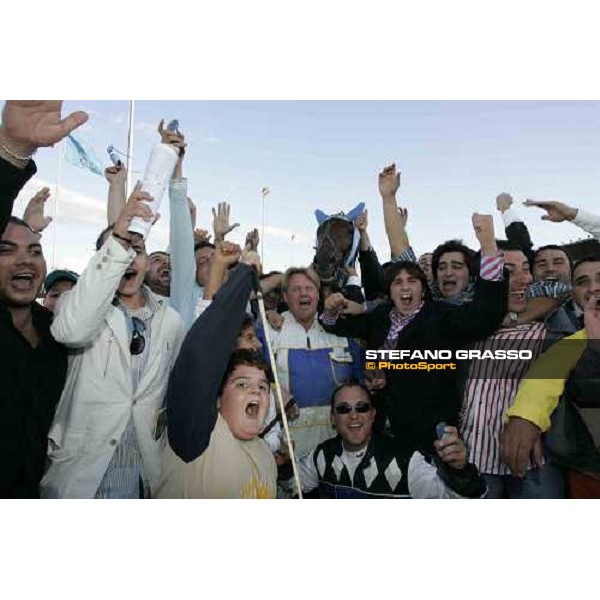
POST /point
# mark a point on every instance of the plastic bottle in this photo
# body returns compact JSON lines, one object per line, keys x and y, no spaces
{"x":159,"y":170}
{"x":113,"y":156}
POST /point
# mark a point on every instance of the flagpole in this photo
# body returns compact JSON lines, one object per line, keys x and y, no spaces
{"x":55,"y":210}
{"x":264,"y":193}
{"x":130,"y":147}
{"x":262,"y":230}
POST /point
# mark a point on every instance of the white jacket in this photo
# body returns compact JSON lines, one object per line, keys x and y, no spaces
{"x":98,"y":397}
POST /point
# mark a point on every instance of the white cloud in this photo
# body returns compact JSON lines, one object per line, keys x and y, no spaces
{"x":72,"y":205}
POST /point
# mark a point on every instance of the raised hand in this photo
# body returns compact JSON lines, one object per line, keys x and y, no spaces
{"x":227,"y":253}
{"x":251,"y":258}
{"x":504,"y":202}
{"x":201,"y":235}
{"x":134,"y":208}
{"x":221,"y":225}
{"x":335,"y":303}
{"x":389,"y":181}
{"x":116,"y":175}
{"x":362,"y":221}
{"x":252,"y":240}
{"x":31,"y":124}
{"x":483,"y":226}
{"x":171,"y":137}
{"x":352,"y":308}
{"x":557,"y":212}
{"x":34,"y":213}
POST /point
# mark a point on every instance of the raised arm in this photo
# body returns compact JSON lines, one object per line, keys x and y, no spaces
{"x":181,"y":239}
{"x":226,"y":255}
{"x":514,"y":227}
{"x":81,"y":311}
{"x":557,"y":212}
{"x":481,"y":317}
{"x":26,"y":126}
{"x":345,"y":318}
{"x":370,"y":270}
{"x":200,"y":366}
{"x":221,"y":226}
{"x":34,"y":212}
{"x":117,"y":192}
{"x":394,"y":217}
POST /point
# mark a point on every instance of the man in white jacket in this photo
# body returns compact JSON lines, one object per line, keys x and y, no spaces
{"x":107,"y":437}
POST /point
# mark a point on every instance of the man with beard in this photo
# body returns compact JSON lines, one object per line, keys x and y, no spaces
{"x":33,"y":366}
{"x":158,"y":277}
{"x":106,"y":440}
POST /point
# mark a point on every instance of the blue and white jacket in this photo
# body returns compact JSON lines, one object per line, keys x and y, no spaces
{"x":311,"y":364}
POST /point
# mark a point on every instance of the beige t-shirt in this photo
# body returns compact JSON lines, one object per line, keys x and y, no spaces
{"x":228,"y":468}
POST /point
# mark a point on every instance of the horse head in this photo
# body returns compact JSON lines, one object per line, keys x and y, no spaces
{"x":336,"y":245}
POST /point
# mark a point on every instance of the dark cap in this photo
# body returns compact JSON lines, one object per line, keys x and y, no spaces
{"x":59,"y":275}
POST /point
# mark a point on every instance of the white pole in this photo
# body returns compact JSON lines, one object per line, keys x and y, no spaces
{"x":262,"y":232}
{"x":61,"y":146}
{"x":263,"y":316}
{"x":130,"y":147}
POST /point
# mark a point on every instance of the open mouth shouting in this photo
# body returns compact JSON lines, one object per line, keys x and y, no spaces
{"x":305,"y":304}
{"x":407,"y":300}
{"x":25,"y":281}
{"x":449,"y":287}
{"x":253,"y":409}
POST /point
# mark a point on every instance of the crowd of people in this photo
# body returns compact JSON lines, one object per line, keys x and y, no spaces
{"x":161,"y":376}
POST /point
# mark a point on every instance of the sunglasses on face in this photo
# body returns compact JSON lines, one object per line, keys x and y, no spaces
{"x":344,"y":408}
{"x":138,"y":341}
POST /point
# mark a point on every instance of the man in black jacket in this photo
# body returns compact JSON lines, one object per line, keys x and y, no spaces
{"x":33,"y":366}
{"x":414,"y":321}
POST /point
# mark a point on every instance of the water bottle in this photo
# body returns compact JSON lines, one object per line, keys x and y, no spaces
{"x":113,"y":156}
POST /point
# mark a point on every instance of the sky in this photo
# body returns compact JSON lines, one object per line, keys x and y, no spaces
{"x":455,"y":158}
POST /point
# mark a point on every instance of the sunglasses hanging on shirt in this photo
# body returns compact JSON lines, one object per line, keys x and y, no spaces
{"x":138,"y":341}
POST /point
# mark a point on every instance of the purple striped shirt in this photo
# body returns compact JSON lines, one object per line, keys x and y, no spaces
{"x":489,"y":391}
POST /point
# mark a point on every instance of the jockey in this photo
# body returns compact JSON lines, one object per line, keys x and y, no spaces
{"x":310,"y":362}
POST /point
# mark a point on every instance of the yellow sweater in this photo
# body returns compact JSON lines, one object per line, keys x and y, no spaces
{"x":538,"y":395}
